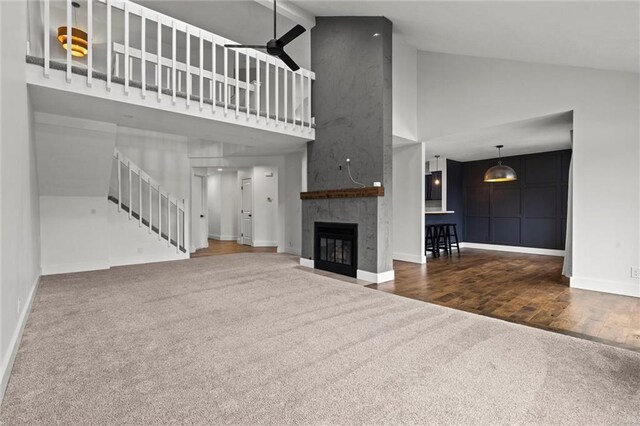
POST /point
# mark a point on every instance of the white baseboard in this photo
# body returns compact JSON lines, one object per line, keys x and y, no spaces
{"x":158,"y":259}
{"x":603,"y":286}
{"x":308,"y":263}
{"x":74,"y":267}
{"x":14,"y":344}
{"x":291,"y":250}
{"x":405,"y":257}
{"x":373,"y":277}
{"x":264,"y":243}
{"x":223,"y":237}
{"x":380,"y":277}
{"x":514,"y":249}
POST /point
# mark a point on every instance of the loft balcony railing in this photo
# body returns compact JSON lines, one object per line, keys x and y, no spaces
{"x":152,"y":54}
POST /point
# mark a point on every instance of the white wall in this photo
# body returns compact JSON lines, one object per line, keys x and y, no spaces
{"x":19,"y":222}
{"x":75,"y":234}
{"x":162,"y":156}
{"x":129,"y":243}
{"x":463,"y":93}
{"x":293,"y":177}
{"x":405,"y":91}
{"x":408,"y":203}
{"x":266,"y":225}
{"x":74,"y":156}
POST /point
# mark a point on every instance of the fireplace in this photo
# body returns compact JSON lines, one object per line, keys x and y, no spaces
{"x":336,"y":247}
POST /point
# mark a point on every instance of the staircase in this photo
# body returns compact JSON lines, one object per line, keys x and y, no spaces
{"x":142,"y":199}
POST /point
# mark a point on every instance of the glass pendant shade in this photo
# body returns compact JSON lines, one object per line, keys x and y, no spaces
{"x":501,"y":172}
{"x":79,"y":44}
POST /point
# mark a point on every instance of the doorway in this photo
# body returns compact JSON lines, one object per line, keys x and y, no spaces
{"x":247,"y":212}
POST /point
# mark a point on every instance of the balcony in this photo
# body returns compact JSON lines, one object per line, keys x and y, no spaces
{"x":140,"y":57}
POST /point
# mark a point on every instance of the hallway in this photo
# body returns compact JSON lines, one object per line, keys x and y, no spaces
{"x":217,"y":247}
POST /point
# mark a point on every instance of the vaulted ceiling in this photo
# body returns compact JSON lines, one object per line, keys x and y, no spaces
{"x":594,"y":34}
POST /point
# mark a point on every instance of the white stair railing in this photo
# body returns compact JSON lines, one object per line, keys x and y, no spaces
{"x":181,"y":61}
{"x":136,"y":193}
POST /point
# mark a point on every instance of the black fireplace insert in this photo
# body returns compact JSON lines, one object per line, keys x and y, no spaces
{"x":336,"y":247}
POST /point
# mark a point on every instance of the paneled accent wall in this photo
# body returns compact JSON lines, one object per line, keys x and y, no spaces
{"x":529,"y":212}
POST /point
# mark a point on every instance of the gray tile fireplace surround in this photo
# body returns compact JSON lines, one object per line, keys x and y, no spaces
{"x":352,"y":104}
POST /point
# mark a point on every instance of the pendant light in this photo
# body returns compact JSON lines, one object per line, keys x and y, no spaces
{"x":501,"y":172}
{"x":79,"y":43}
{"x":437,"y":181}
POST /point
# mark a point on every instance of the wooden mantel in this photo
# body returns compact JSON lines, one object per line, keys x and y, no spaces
{"x":369,"y":191}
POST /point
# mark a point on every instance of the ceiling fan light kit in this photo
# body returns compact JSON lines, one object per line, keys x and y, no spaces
{"x":275,"y":46}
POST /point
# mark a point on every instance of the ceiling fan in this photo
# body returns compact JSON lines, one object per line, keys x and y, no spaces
{"x":275,"y":46}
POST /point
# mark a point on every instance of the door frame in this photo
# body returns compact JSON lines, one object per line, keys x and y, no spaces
{"x":242,"y":225}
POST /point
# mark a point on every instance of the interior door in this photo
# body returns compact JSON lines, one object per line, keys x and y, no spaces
{"x":247,"y":211}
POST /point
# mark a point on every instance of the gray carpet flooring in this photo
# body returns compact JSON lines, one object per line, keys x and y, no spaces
{"x":253,"y":339}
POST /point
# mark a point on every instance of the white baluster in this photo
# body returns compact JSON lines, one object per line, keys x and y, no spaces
{"x":143,"y":49}
{"x":293,"y":98}
{"x":188,"y":73}
{"x":126,"y":50}
{"x":258,"y":84}
{"x":47,"y":36}
{"x":237,"y":77}
{"x":109,"y":47}
{"x":200,"y":82}
{"x":213,"y":72}
{"x":69,"y":40}
{"x":268,"y":83}
{"x":173,"y":62}
{"x":139,"y":198}
{"x":119,"y":169}
{"x":277,"y":92}
{"x":89,"y":42}
{"x":130,"y":201}
{"x":285,"y":79}
{"x":168,"y":220}
{"x":159,"y":58}
{"x":310,"y":116}
{"x":226,"y":73}
{"x":150,"y":206}
{"x":247,"y":91}
{"x":159,"y":214}
{"x":177,"y":228}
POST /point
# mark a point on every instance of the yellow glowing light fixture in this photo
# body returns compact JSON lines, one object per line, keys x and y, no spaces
{"x":437,"y":181}
{"x":501,"y":172}
{"x":79,"y":38}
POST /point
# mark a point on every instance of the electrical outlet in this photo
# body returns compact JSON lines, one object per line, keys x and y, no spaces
{"x":635,"y":272}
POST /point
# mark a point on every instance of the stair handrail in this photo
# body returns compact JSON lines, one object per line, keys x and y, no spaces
{"x":180,"y":204}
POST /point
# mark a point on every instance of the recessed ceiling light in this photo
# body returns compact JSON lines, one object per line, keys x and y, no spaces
{"x":376,"y":35}
{"x":219,"y":170}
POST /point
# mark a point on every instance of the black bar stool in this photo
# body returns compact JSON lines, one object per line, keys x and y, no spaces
{"x":449,"y":227}
{"x":430,"y":240}
{"x":442,"y":238}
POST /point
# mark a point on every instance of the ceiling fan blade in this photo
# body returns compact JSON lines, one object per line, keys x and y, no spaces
{"x":292,"y":34}
{"x":246,"y":46}
{"x":287,"y":60}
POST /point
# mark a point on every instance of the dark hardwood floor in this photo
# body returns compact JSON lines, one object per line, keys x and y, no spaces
{"x":521,"y":288}
{"x":228,"y":247}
